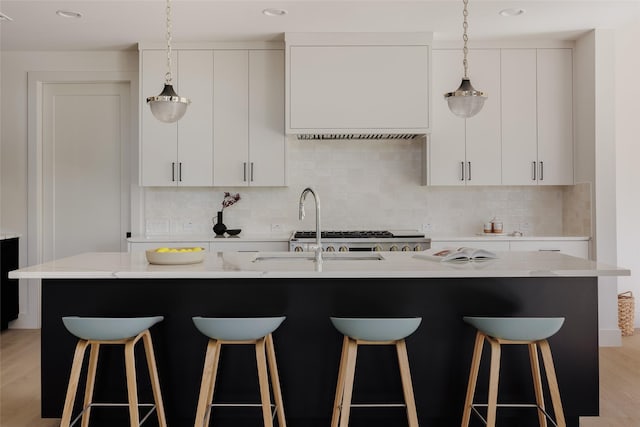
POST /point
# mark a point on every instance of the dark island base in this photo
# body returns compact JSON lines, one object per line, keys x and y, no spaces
{"x":308,"y":347}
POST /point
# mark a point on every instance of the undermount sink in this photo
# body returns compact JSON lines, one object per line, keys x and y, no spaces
{"x":310,"y":256}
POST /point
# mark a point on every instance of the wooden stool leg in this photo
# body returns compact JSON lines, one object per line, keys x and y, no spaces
{"x":494,"y":377}
{"x":537,"y":382}
{"x":263,"y":379}
{"x":275,"y":381}
{"x":349,"y":377}
{"x":91,"y":381}
{"x":473,"y":378}
{"x":208,"y":383}
{"x":407,"y":386}
{"x":132,"y":388}
{"x":153,"y":375}
{"x":74,"y":377}
{"x":335,"y":418}
{"x":552,"y":380}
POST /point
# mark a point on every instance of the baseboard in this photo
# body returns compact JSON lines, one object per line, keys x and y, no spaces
{"x":610,"y":337}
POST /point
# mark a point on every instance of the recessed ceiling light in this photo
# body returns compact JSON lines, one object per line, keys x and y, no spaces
{"x":68,"y":14}
{"x":4,"y":17}
{"x":511,"y":12}
{"x":274,"y":12}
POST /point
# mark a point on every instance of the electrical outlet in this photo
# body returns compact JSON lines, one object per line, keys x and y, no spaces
{"x":427,"y":228}
{"x":524,"y":226}
{"x":276,"y":228}
{"x":187,"y":226}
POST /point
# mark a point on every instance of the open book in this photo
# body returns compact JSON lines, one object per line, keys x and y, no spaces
{"x":456,"y":254}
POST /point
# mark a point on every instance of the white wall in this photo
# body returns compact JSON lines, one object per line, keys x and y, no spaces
{"x":627,"y":158}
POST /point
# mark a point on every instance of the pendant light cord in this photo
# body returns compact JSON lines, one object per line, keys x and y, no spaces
{"x":168,"y":76}
{"x":465,"y":37}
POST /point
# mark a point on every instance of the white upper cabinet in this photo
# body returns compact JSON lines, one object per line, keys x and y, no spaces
{"x":232,"y":133}
{"x":354,"y":83}
{"x":250,"y":145}
{"x":537,"y":123}
{"x":465,"y":151}
{"x":555,"y":116}
{"x":177,"y":153}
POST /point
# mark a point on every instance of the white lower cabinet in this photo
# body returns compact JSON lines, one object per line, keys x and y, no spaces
{"x":235,"y":245}
{"x":577,"y":248}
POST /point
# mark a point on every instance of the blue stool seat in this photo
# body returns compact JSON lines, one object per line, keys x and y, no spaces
{"x":237,"y":328}
{"x":108,"y":328}
{"x":517,"y":328}
{"x":376,"y":329}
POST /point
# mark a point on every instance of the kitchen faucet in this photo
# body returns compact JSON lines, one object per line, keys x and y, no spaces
{"x":303,"y":196}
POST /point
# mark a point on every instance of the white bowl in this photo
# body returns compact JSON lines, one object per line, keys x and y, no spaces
{"x":174,"y":257}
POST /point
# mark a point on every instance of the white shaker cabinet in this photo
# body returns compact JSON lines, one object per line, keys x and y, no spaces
{"x":180,"y":153}
{"x":465,"y":151}
{"x":577,"y":248}
{"x":537,"y":116}
{"x":248,"y":116}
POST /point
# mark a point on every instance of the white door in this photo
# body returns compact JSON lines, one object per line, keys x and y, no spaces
{"x":85,"y":168}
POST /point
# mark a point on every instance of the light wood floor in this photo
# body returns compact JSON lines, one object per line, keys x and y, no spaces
{"x":20,"y":382}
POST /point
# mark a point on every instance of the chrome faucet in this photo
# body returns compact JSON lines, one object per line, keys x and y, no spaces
{"x":303,"y":196}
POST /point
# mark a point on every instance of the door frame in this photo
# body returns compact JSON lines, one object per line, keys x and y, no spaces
{"x":30,"y":317}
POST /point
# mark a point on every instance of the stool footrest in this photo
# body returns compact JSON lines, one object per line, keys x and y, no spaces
{"x":111,"y":405}
{"x":378,"y":405}
{"x":513,"y":405}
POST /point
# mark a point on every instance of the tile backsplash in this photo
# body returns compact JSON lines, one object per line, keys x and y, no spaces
{"x":369,"y":185}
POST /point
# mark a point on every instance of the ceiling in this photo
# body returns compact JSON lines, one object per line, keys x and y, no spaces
{"x":119,"y":25}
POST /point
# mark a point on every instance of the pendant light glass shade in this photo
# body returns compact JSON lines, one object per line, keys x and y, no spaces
{"x":465,"y":101}
{"x":168,"y":107}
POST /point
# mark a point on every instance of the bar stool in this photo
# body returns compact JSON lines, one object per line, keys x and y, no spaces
{"x":251,"y":330}
{"x":533,"y":332}
{"x":97,"y":331}
{"x":359,"y":331}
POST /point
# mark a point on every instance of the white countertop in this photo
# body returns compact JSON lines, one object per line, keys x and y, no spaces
{"x":6,"y":235}
{"x":177,"y":238}
{"x":110,"y":265}
{"x":489,"y":237}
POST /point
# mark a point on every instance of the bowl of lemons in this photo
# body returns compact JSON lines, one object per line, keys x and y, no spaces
{"x":175,"y":255}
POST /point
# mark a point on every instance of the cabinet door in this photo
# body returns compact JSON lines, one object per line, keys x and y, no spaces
{"x":519,"y":123}
{"x":195,"y":129}
{"x":555,"y":116}
{"x":158,"y":140}
{"x":266,"y":118}
{"x":230,"y":118}
{"x":359,"y":87}
{"x":483,"y":142}
{"x":446,"y":159}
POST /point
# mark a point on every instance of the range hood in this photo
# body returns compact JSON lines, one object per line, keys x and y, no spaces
{"x":357,"y":86}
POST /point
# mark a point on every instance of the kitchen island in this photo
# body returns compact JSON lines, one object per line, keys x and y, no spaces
{"x":308,"y":347}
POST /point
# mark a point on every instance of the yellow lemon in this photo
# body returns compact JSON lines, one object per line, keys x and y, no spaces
{"x":197,"y":249}
{"x":173,"y":250}
{"x":162,"y":250}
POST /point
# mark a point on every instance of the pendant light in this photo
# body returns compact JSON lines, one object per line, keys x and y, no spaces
{"x":465,"y":101}
{"x":168,"y":106}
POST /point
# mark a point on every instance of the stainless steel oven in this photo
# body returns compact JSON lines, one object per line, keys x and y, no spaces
{"x":353,"y":241}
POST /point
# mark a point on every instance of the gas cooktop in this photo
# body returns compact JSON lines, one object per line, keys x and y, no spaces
{"x":344,"y":235}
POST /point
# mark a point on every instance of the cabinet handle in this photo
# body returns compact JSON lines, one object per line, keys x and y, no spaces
{"x":180,"y":171}
{"x":173,"y":171}
{"x":244,"y":171}
{"x":548,"y":250}
{"x":251,"y":171}
{"x":469,"y":174}
{"x":461,"y":171}
{"x":533,"y":171}
{"x":541,"y":171}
